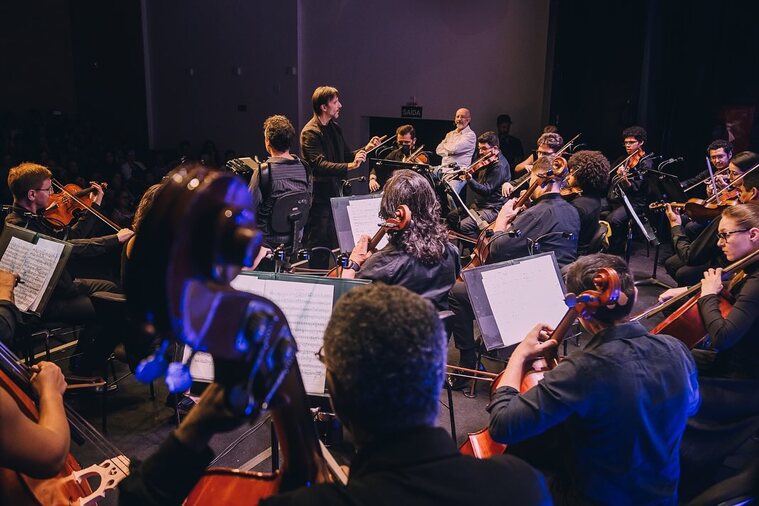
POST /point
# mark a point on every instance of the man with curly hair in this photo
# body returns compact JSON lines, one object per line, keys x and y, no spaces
{"x":419,"y":257}
{"x":587,"y":182}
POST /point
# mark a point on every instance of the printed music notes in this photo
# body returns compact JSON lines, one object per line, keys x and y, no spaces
{"x":35,"y":264}
{"x":363,"y":215}
{"x":307,"y":307}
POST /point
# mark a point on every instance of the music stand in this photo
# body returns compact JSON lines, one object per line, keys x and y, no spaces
{"x":662,"y":186}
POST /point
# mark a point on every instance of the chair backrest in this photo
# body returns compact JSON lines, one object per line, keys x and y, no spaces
{"x":291,"y":208}
{"x":600,"y":240}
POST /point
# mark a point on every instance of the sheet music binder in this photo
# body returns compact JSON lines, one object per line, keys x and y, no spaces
{"x":340,"y":288}
{"x":342,"y":220}
{"x":33,"y":237}
{"x":483,"y":303}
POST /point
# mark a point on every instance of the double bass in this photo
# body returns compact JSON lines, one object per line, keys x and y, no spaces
{"x":192,"y":243}
{"x":70,"y":485}
{"x":607,"y":292}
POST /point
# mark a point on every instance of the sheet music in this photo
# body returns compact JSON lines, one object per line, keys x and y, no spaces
{"x":522,"y":295}
{"x":201,"y":367}
{"x":35,"y":263}
{"x":363,"y":215}
{"x":307,"y":307}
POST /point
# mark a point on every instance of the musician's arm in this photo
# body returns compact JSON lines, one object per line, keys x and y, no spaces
{"x":525,"y":164}
{"x":38,"y":449}
{"x":515,"y":417}
{"x":494,"y":178}
{"x":726,"y":332}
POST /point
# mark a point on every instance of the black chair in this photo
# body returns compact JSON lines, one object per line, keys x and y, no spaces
{"x":600,"y":240}
{"x":288,"y":218}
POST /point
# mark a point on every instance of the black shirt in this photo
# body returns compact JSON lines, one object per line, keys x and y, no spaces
{"x":589,"y":210}
{"x":637,"y":192}
{"x":486,"y":184}
{"x":703,"y":250}
{"x":625,"y":399}
{"x":326,"y":154}
{"x":736,"y":337}
{"x":551,"y":222}
{"x":420,"y":467}
{"x":394,"y":267}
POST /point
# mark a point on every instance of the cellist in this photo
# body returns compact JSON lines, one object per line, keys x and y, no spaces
{"x":550,"y":222}
{"x":384,"y":351}
{"x":37,"y":449}
{"x":623,"y":400}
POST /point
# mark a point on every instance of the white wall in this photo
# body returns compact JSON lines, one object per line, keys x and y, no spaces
{"x":488,"y":55}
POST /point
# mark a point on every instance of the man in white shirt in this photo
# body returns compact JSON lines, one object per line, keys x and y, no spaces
{"x":458,"y":145}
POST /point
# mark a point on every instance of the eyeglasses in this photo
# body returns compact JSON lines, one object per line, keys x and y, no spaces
{"x":724,"y":235}
{"x":630,"y":143}
{"x":320,"y":355}
{"x":49,"y":190}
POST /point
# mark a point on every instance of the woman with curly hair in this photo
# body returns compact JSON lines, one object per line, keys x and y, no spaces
{"x":589,"y":179}
{"x":418,"y":257}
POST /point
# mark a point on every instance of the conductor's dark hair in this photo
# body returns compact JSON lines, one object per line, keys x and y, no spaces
{"x":635,"y":131}
{"x":580,"y":275}
{"x":490,"y":138}
{"x":385,"y":350}
{"x":591,"y":171}
{"x":322,"y":95}
{"x":279,"y":132}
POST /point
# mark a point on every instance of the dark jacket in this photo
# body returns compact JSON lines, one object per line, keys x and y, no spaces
{"x":486,"y":184}
{"x":327,"y":156}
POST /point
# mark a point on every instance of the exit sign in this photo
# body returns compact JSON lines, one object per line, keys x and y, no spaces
{"x":411,"y":111}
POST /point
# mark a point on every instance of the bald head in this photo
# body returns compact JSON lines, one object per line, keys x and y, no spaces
{"x":463,"y":117}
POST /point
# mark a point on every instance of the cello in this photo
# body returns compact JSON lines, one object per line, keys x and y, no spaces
{"x":192,"y":243}
{"x":70,"y":485}
{"x":686,"y":323}
{"x":480,"y":444}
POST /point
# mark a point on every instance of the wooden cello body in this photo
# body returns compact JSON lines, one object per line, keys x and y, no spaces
{"x":192,"y":243}
{"x":481,"y":444}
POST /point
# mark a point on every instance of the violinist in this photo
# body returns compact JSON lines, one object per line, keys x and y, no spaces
{"x":692,"y":257}
{"x":384,"y":352}
{"x":720,"y":152}
{"x":547,"y":144}
{"x":326,"y":153}
{"x":586,"y":185}
{"x":405,"y":139}
{"x":621,"y":402}
{"x":419,"y":257}
{"x":630,"y":178}
{"x":549,"y":224}
{"x":31,"y":185}
{"x":486,"y":184}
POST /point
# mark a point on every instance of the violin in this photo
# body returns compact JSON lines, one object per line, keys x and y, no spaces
{"x":607,"y":291}
{"x":70,"y":199}
{"x":417,"y":157}
{"x":398,"y":222}
{"x":697,"y":209}
{"x":482,"y":162}
{"x":70,"y":484}
{"x":481,"y":250}
{"x":191,"y":244}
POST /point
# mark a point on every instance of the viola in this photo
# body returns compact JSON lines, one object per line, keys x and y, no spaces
{"x":398,"y":222}
{"x":607,"y":291}
{"x":191,"y":244}
{"x":485,"y":160}
{"x":481,"y":250}
{"x":70,"y":484}
{"x":71,"y":199}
